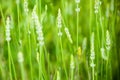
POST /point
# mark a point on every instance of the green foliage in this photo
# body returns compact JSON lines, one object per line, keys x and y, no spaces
{"x":53,"y":39}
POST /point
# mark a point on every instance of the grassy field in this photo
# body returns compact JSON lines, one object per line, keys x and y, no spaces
{"x":59,"y":39}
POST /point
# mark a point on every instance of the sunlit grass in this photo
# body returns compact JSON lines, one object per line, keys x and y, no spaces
{"x":58,"y":40}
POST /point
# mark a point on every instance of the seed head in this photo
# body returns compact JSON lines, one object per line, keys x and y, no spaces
{"x":59,"y":19}
{"x":108,"y":42}
{"x":77,"y":1}
{"x":103,"y":53}
{"x":26,"y":7}
{"x":92,"y":55}
{"x":77,"y":9}
{"x":97,"y":6}
{"x":68,"y":35}
{"x":107,"y":11}
{"x":72,"y":65}
{"x":8,"y":25}
{"x":92,"y":65}
{"x":17,"y":1}
{"x":59,"y":23}
{"x":38,"y":27}
{"x":20,"y":57}
{"x":59,"y":33}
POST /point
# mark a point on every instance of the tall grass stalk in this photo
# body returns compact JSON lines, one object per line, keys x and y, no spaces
{"x":90,"y":18}
{"x":26,"y":11}
{"x":59,"y":25}
{"x":22,"y":71}
{"x":40,"y":64}
{"x":20,"y":61}
{"x":97,"y":11}
{"x":72,"y":66}
{"x":108,"y":46}
{"x":92,"y":56}
{"x":18,"y":14}
{"x":29,"y":49}
{"x":61,"y":47}
{"x":77,"y":17}
{"x":1,"y":70}
{"x":11,"y":63}
{"x":100,"y":22}
{"x":58,"y":76}
{"x":30,"y":56}
{"x":8,"y":39}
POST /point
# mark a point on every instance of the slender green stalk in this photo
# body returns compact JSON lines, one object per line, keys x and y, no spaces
{"x":40,"y":64}
{"x":98,"y":40}
{"x":88,"y":72}
{"x":102,"y":41}
{"x":1,"y":70}
{"x":110,"y":71}
{"x":58,"y":76}
{"x":22,"y":71}
{"x":42,"y":72}
{"x":15,"y":76}
{"x":30,"y":53}
{"x":102,"y":65}
{"x":72,"y":66}
{"x":98,"y":35}
{"x":72,"y":72}
{"x":77,"y":26}
{"x":21,"y":65}
{"x":90,"y":18}
{"x":9,"y":61}
{"x":40,"y":7}
{"x":30,"y":56}
{"x":107,"y":65}
{"x":48,"y":61}
{"x":93,"y":72}
{"x":2,"y":15}
{"x":18,"y":21}
{"x":62,"y":58}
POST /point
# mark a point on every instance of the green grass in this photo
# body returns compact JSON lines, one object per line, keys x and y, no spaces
{"x":59,"y":40}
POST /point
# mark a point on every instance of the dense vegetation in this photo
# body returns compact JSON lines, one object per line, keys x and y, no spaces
{"x":59,"y":39}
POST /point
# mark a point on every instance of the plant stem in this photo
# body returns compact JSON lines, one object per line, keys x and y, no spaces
{"x":107,"y":64}
{"x":93,"y":74}
{"x":18,"y":21}
{"x":62,"y":58}
{"x":40,"y":7}
{"x":72,"y":72}
{"x":2,"y":15}
{"x":90,"y":20}
{"x":40,"y":68}
{"x":47,"y":58}
{"x":22,"y":71}
{"x":21,"y":65}
{"x":77,"y":26}
{"x":30,"y":56}
{"x":9,"y":61}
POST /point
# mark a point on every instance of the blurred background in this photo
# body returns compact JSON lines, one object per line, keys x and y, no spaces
{"x":9,"y":8}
